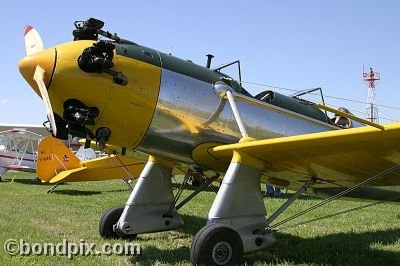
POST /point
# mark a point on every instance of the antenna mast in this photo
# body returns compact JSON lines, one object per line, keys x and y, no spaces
{"x":371,"y":79}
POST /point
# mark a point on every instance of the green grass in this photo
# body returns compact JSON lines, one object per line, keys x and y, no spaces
{"x":367,"y":237}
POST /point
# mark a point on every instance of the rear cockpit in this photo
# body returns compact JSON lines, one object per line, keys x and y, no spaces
{"x":295,"y":103}
{"x":307,"y":108}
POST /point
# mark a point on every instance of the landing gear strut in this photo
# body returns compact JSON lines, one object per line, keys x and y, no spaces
{"x":236,"y":221}
{"x":50,"y":190}
{"x":147,"y":206}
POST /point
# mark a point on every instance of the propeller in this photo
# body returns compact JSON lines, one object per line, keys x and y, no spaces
{"x":33,"y":45}
{"x":33,"y":42}
{"x":39,"y":79}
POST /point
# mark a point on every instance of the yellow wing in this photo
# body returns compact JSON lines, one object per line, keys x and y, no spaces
{"x":338,"y":158}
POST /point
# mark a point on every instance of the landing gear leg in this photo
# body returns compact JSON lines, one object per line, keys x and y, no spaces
{"x":147,"y":208}
{"x":50,"y":190}
{"x":236,"y":216}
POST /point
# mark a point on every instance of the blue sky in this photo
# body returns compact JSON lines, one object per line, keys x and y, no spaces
{"x":291,"y":44}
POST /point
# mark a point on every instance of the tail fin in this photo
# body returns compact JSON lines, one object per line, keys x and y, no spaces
{"x":53,"y":158}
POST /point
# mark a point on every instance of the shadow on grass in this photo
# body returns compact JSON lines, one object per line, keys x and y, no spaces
{"x":192,"y":224}
{"x":367,"y":248}
{"x":152,"y":254}
{"x":127,"y":190}
{"x":156,"y":256}
{"x":337,"y":249}
{"x":25,"y":181}
{"x":74,"y":192}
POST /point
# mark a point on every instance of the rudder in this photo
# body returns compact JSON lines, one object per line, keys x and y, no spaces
{"x":54,"y":157}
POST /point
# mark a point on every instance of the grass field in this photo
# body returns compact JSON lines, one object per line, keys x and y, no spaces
{"x":367,"y":237}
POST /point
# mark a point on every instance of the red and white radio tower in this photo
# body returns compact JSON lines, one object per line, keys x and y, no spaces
{"x":371,"y":79}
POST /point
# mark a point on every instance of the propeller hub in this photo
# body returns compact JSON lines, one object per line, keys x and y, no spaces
{"x":46,"y":59}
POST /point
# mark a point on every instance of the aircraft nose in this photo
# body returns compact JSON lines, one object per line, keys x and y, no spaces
{"x":46,"y":59}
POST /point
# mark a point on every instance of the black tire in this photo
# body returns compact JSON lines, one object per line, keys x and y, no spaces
{"x":107,"y":221}
{"x":216,"y":244}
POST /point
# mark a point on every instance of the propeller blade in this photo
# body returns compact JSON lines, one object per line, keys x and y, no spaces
{"x":39,"y":79}
{"x":33,"y":41}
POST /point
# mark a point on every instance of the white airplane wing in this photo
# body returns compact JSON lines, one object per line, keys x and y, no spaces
{"x":37,"y":129}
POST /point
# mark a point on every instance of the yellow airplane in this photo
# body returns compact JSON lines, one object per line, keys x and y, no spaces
{"x":120,"y":93}
{"x":58,"y":164}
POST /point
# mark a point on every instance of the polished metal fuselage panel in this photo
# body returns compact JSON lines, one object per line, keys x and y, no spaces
{"x":190,"y":112}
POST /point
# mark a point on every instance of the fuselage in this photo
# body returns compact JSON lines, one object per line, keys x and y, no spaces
{"x":170,"y":107}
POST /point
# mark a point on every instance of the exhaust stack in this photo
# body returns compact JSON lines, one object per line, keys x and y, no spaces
{"x":209,"y":58}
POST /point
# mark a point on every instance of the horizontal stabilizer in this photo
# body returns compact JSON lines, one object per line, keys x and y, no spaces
{"x":65,"y":175}
{"x":104,"y":168}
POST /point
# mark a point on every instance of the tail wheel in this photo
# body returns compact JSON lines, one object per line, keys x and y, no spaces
{"x":216,"y":244}
{"x":108,"y":220}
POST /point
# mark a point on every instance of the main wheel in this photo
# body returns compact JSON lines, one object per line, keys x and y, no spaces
{"x":216,"y":244}
{"x":108,"y":220}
